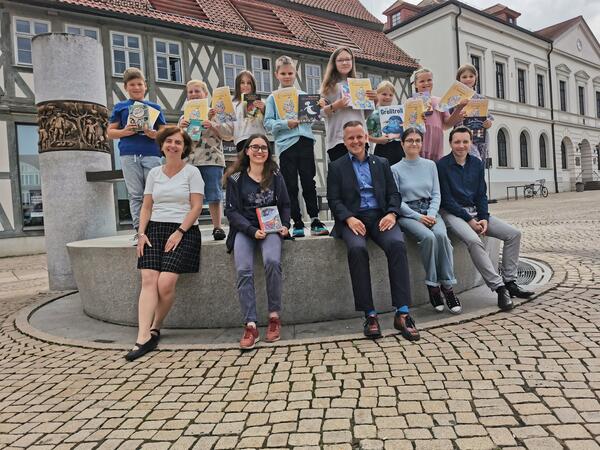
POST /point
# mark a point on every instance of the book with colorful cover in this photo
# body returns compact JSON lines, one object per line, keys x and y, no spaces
{"x":414,"y":110}
{"x":475,"y":124}
{"x":477,"y":107}
{"x":143,"y":116}
{"x":358,"y":93}
{"x":308,"y":108}
{"x":269,"y":219}
{"x":222,"y":104}
{"x":345,"y":91}
{"x":286,"y":102}
{"x":456,"y":93}
{"x":250,"y":109}
{"x":426,"y":99}
{"x":391,"y":119}
{"x":195,"y":112}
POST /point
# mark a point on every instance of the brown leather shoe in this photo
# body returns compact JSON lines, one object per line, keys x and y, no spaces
{"x":371,"y":327}
{"x":274,"y":329}
{"x":250,"y":338}
{"x":406,"y":325}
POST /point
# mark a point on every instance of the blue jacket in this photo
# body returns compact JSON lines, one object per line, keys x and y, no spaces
{"x":284,"y":136}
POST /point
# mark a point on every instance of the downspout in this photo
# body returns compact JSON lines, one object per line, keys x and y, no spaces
{"x":552,"y":118}
{"x":456,"y":35}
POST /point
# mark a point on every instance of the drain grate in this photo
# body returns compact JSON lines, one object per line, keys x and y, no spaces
{"x":531,"y":272}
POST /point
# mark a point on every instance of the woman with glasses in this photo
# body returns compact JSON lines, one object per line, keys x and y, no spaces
{"x":254,"y":182}
{"x":418,"y":184}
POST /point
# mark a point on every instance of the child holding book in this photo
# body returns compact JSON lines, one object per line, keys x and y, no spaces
{"x":137,"y":147}
{"x":335,"y":102}
{"x":247,"y":122}
{"x":254,"y":182}
{"x":435,"y":121}
{"x":294,"y":144}
{"x":207,"y":155}
{"x":467,"y":74}
{"x":391,"y":149}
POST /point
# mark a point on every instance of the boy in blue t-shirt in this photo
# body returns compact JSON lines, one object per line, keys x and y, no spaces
{"x":139,"y":152}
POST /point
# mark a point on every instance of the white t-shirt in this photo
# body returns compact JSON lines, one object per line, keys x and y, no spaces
{"x":171,"y":196}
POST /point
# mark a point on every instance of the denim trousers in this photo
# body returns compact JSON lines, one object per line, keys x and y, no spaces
{"x":135,"y":171}
{"x":243,"y":254}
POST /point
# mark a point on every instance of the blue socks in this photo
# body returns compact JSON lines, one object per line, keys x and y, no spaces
{"x":370,"y":313}
{"x":402,"y":310}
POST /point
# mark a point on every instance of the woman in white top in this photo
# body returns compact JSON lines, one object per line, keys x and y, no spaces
{"x":169,"y":238}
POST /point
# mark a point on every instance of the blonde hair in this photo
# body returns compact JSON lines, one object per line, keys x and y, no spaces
{"x":132,"y":73}
{"x":283,"y":61}
{"x":418,"y":72}
{"x":385,"y":84}
{"x":200,"y":83}
{"x":466,"y":68}
{"x":332,"y":76}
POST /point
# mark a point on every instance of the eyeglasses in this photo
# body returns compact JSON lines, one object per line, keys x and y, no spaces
{"x":344,"y":60}
{"x":259,"y":148}
{"x":413,"y":141}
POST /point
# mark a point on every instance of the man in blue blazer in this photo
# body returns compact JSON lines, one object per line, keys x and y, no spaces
{"x":365,"y":203}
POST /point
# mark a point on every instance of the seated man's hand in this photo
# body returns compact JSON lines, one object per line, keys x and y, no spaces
{"x":387,"y":222}
{"x":475,"y":225}
{"x":357,"y":227}
{"x":484,"y":226}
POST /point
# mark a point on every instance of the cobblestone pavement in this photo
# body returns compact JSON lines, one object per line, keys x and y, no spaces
{"x":525,"y":379}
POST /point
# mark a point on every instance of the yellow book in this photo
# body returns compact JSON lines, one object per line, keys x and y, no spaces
{"x":358,"y":93}
{"x":457,"y":92}
{"x":477,"y":107}
{"x":196,"y":109}
{"x":414,"y":110}
{"x":222,"y":104}
{"x":286,"y":102}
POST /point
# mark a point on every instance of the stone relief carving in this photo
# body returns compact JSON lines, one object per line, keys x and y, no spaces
{"x":65,"y":125}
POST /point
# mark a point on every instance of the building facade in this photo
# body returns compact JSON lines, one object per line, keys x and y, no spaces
{"x":524,"y":74}
{"x":171,"y":42}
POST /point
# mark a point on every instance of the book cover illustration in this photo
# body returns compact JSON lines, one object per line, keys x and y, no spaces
{"x":358,"y":93}
{"x":286,"y":102}
{"x":455,"y":94}
{"x":391,"y":119}
{"x":222,"y":104}
{"x":426,"y":99}
{"x":308,"y":108}
{"x":475,"y":124}
{"x":138,"y":116}
{"x":414,"y":111}
{"x":477,"y":107}
{"x":268,"y":219}
{"x":250,"y":109}
{"x":345,"y":91}
{"x":195,"y":112}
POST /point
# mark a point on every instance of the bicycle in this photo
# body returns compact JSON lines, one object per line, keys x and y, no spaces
{"x":536,"y":189}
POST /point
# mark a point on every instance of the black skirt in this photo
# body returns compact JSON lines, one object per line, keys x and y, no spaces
{"x":392,"y":151}
{"x":184,"y":259}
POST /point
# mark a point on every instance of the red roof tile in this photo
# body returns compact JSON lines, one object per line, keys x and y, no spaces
{"x":350,"y":8}
{"x":224,"y":18}
{"x":554,"y":31}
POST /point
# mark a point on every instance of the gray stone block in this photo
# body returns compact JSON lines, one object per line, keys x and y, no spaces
{"x":316,"y":285}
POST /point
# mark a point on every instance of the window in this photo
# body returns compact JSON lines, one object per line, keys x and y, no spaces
{"x":524,"y":150}
{"x":581,"y":92}
{"x":168,"y":61}
{"x":29,"y":175}
{"x":396,"y":19}
{"x":562,"y":87}
{"x":476,"y":62}
{"x":233,"y":63}
{"x":499,"y":80}
{"x":25,"y":29}
{"x":543,"y":154}
{"x":126,"y":52}
{"x":313,"y":78}
{"x":502,"y":150}
{"x":375,"y":80}
{"x":261,"y":68}
{"x":598,"y":104}
{"x":540,"y":89}
{"x":563,"y":155}
{"x":521,"y":85}
{"x":82,"y":31}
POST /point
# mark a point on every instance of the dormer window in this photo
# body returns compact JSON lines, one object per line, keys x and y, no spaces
{"x":396,"y":19}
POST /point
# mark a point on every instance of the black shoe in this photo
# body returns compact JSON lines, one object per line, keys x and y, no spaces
{"x":318,"y":228}
{"x":218,"y":234}
{"x":435,"y":298}
{"x":504,"y":301}
{"x":372,"y":329}
{"x":516,"y":291}
{"x":452,"y":301}
{"x":142,"y":349}
{"x":298,"y":229}
{"x":406,"y":325}
{"x":155,"y":334}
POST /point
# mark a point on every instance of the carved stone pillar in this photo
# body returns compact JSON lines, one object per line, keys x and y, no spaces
{"x":70,"y":94}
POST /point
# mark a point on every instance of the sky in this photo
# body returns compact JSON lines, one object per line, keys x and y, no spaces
{"x":535,"y":14}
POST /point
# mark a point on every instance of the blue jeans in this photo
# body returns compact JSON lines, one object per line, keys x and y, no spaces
{"x":135,"y":170}
{"x":435,"y":249}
